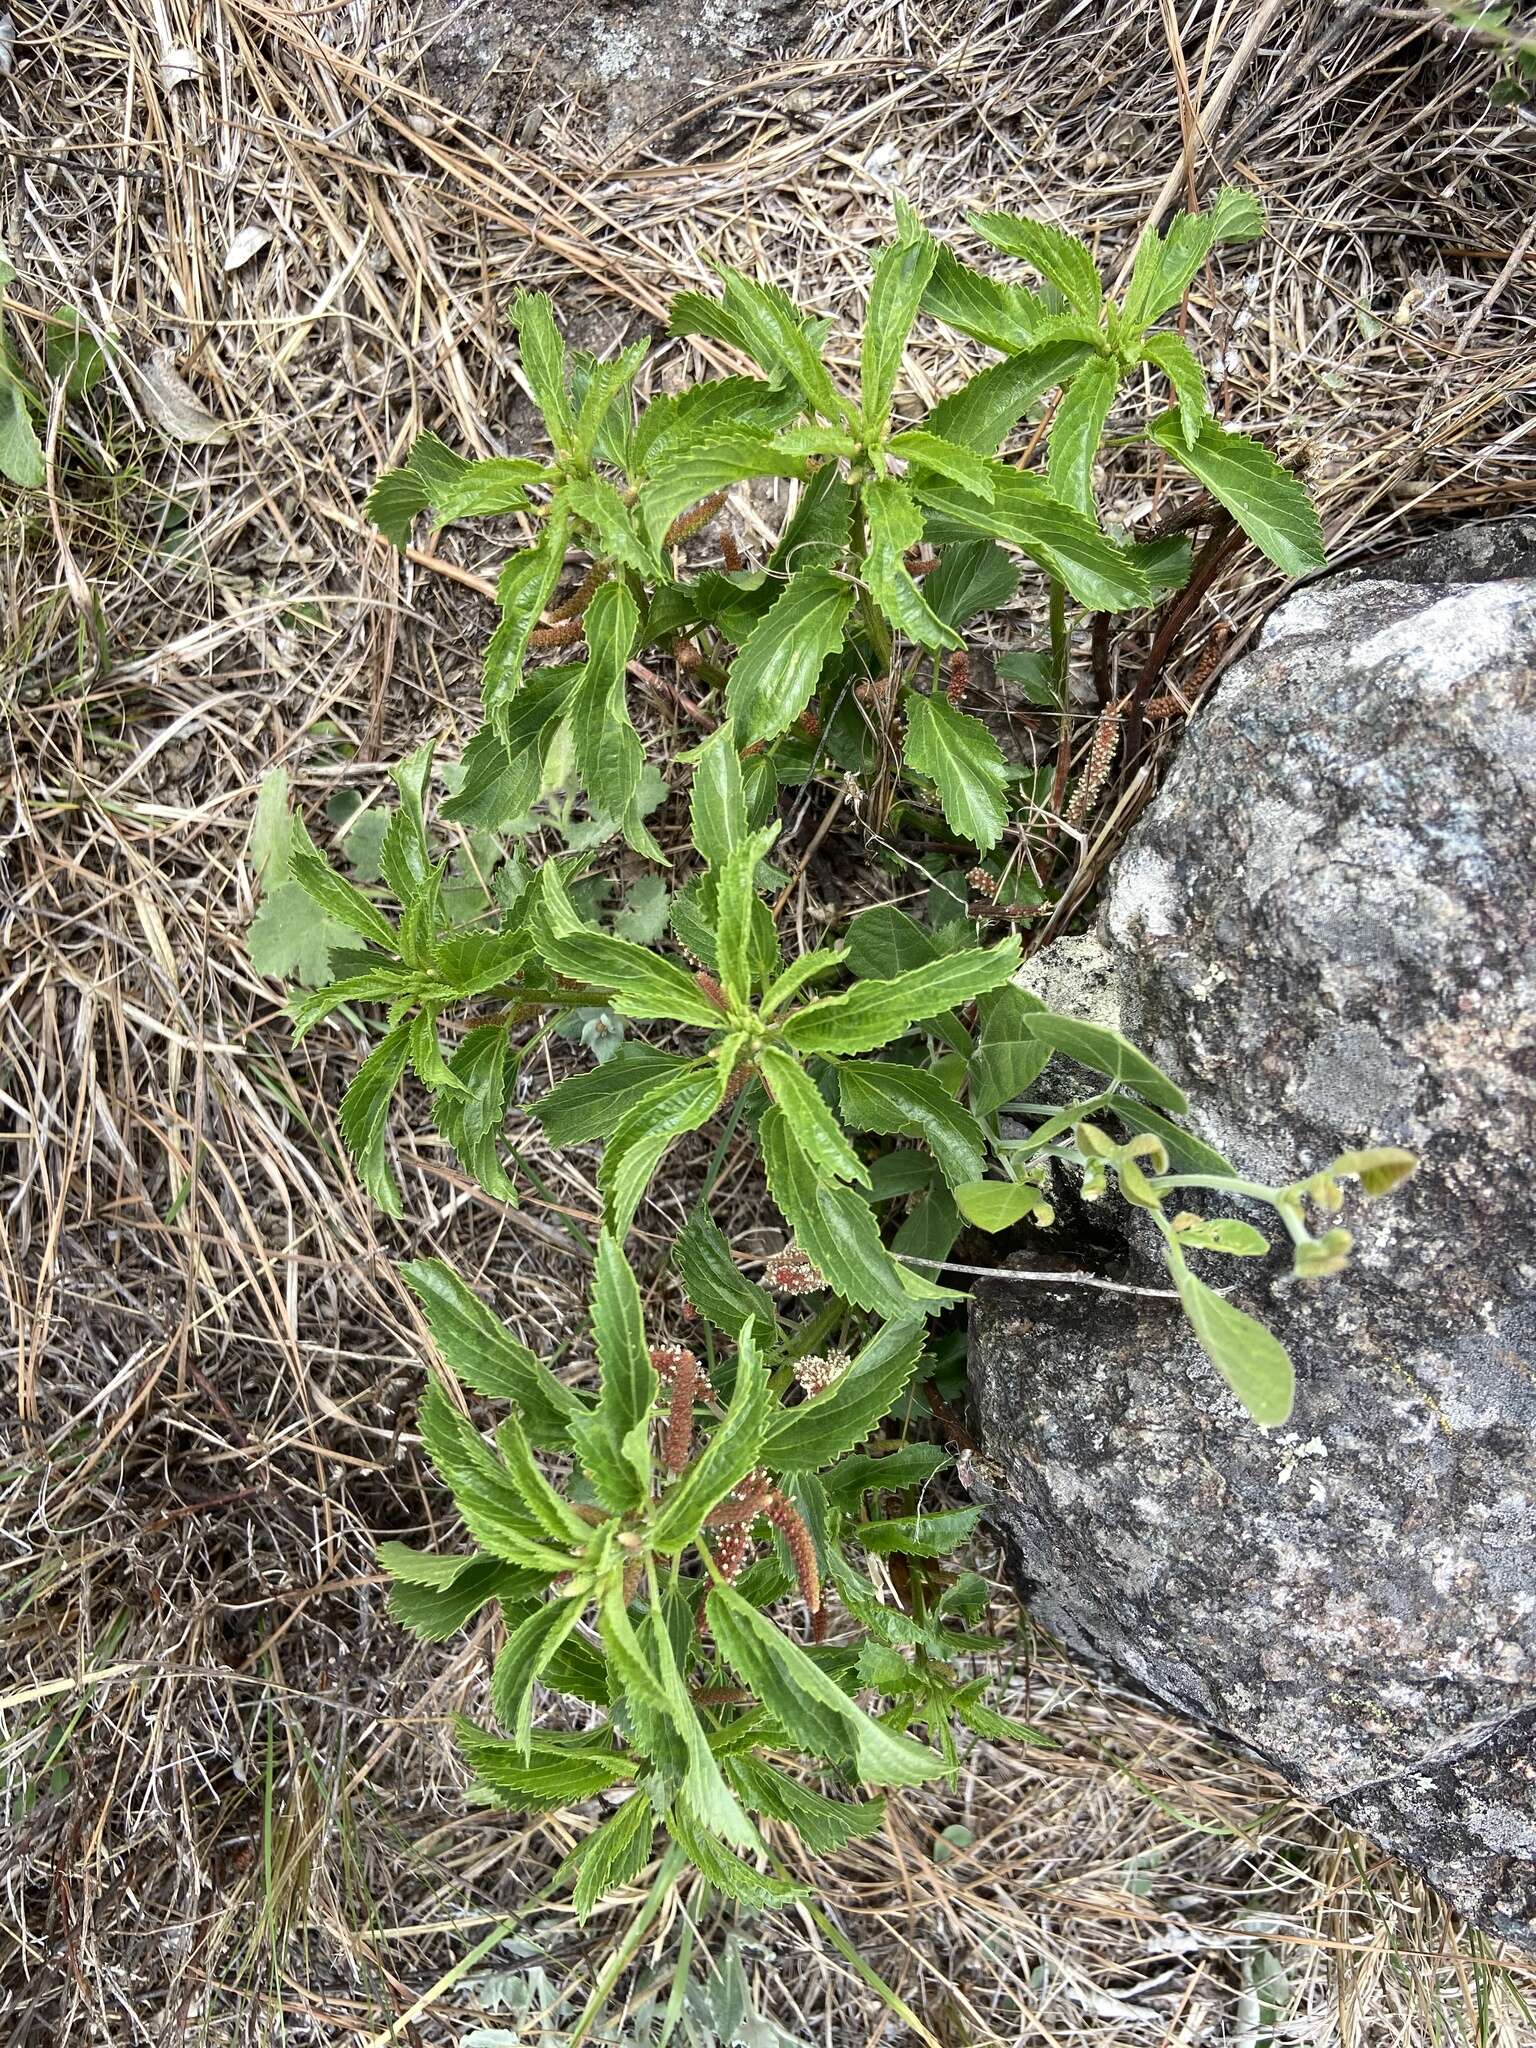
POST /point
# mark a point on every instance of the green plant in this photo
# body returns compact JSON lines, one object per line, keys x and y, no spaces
{"x":894,"y":1067}
{"x":74,"y":360}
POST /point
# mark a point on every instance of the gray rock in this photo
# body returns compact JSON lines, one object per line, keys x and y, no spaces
{"x":634,"y":66}
{"x":1324,"y":927}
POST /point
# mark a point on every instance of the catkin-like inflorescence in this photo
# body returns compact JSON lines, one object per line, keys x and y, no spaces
{"x":686,"y":524}
{"x":984,"y":884}
{"x":958,"y":686}
{"x":786,"y":1518}
{"x":711,"y":988}
{"x":816,"y":1373}
{"x":747,"y":1499}
{"x":1106,"y":737}
{"x":565,"y":634}
{"x":573,"y":606}
{"x":791,"y":1272}
{"x":735,"y":561}
{"x":733,"y":1549}
{"x":678,"y":1368}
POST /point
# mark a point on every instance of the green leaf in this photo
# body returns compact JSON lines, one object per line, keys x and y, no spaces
{"x":670,"y":425}
{"x":774,"y":333}
{"x":875,"y":1012}
{"x":728,"y":1874}
{"x":604,"y":382}
{"x":1166,"y":268}
{"x":1008,"y":1057}
{"x":595,"y":500}
{"x":903,"y":1466}
{"x":21,"y":453}
{"x":964,"y":763}
{"x":544,"y":364}
{"x":287,"y":941}
{"x":997,"y":1204}
{"x":590,"y":1105}
{"x":1076,"y":431}
{"x":648,"y":1130}
{"x":934,"y":1535}
{"x":644,"y":984}
{"x":609,"y":754}
{"x":472,"y":1113}
{"x":1169,"y":354}
{"x":718,"y":815}
{"x":837,"y":1420}
{"x":1059,"y":257}
{"x":713,"y":1282}
{"x":612,"y":1856}
{"x":1065,"y":543}
{"x":1268,"y":503}
{"x":1379,"y":1169}
{"x":1096,"y":1046}
{"x":884,"y":942}
{"x":554,"y":1772}
{"x":971,"y":578}
{"x":896,"y":291}
{"x":732,"y":1450}
{"x":1252,"y":1361}
{"x":818,"y":529}
{"x":780,"y":662}
{"x":478,"y":1349}
{"x":815,"y":1127}
{"x":736,"y":905}
{"x":340,"y":899}
{"x":923,"y":450}
{"x":364,"y":1115}
{"x":559,"y":1521}
{"x":435,"y":1596}
{"x":836,"y":1228}
{"x":1003,"y":316}
{"x":699,"y":471}
{"x":890,"y":1099}
{"x":894,"y":524}
{"x":822,"y":1824}
{"x":75,"y":357}
{"x":801,"y":1696}
{"x":487,"y":488}
{"x":523,"y":590}
{"x":522,"y":1659}
{"x":983,"y":412}
{"x":629,"y":1379}
{"x":1221,"y":1234}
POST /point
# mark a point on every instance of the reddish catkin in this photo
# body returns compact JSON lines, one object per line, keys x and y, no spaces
{"x":679,"y":1369}
{"x":809,"y":722}
{"x":573,"y":606}
{"x":686,"y":524}
{"x":747,"y":1499}
{"x":733,"y":1552}
{"x":711,"y":988}
{"x":958,"y":686}
{"x":984,"y":884}
{"x":785,"y":1517}
{"x":791,"y":1272}
{"x":564,"y":635}
{"x":735,"y":560}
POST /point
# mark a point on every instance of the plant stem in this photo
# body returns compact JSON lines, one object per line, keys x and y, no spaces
{"x":892,"y":1999}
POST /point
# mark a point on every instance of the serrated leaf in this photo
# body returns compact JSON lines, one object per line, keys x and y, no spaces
{"x":648,"y":1130}
{"x":1075,"y":433}
{"x":1227,"y":1234}
{"x":612,"y":1856}
{"x":590,"y":1105}
{"x":643,"y":983}
{"x":904,"y":1466}
{"x":839,"y":1418}
{"x":628,"y":1378}
{"x":815,"y":1127}
{"x":673,"y":423}
{"x":472,"y":1113}
{"x":437,"y":1611}
{"x":1170,"y":355}
{"x":598,"y":386}
{"x":881,"y":1096}
{"x":523,"y":589}
{"x":1252,"y":1360}
{"x":1059,"y":257}
{"x":983,"y":412}
{"x":713,"y":1282}
{"x":780,"y":662}
{"x":875,"y":1012}
{"x":286,"y":940}
{"x":1065,"y":543}
{"x":544,"y":364}
{"x":595,"y":500}
{"x":925,"y":450}
{"x":884,"y":942}
{"x":718,"y":813}
{"x":609,"y":754}
{"x":896,"y":291}
{"x":823,"y":1824}
{"x":802,"y":1697}
{"x":728,"y":1874}
{"x":894,"y":524}
{"x":1268,"y":503}
{"x":970,"y":578}
{"x":556,"y":1770}
{"x":522,"y":1659}
{"x":1165,"y":267}
{"x":736,"y":902}
{"x":340,"y":899}
{"x":1002,"y":316}
{"x":364,"y":1116}
{"x":1096,"y":1046}
{"x":834,"y":1226}
{"x":486,"y":489}
{"x":708,"y":466}
{"x":774,"y":332}
{"x":963,"y":762}
{"x":483,"y":1355}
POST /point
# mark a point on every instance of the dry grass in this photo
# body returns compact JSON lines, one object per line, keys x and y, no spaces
{"x":231,"y":1809}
